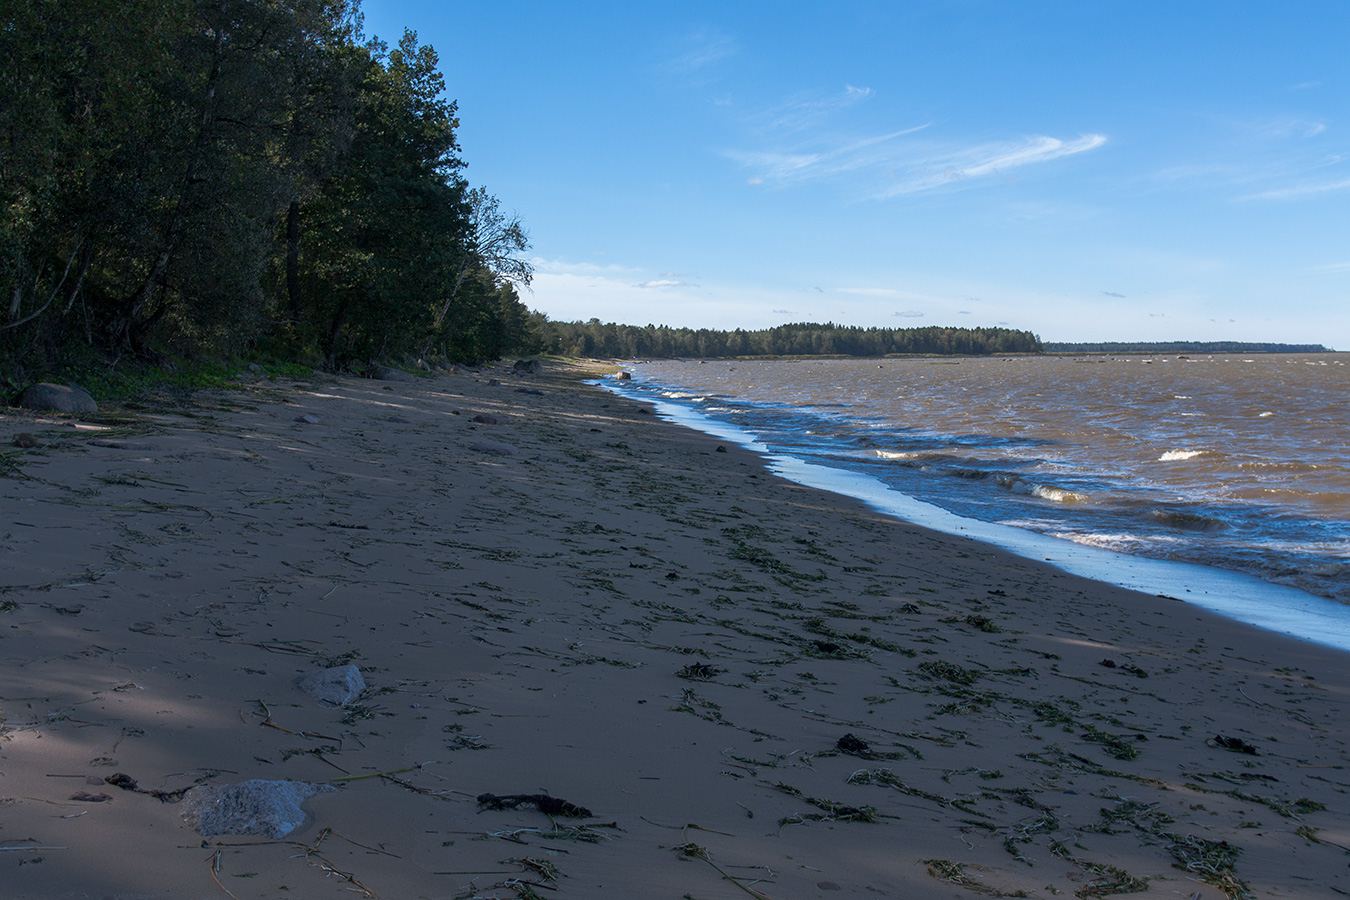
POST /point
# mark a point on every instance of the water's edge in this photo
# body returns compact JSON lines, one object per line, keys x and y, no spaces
{"x":1283,"y":610}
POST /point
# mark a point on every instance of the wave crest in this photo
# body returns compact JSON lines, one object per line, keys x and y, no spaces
{"x":1173,"y":455}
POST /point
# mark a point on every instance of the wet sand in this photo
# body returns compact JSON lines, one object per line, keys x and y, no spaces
{"x":752,"y":687}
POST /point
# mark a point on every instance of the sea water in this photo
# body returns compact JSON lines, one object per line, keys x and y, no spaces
{"x":1237,"y":463}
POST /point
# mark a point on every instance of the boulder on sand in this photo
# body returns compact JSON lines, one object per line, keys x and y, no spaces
{"x":527,"y":367}
{"x":389,"y":373}
{"x":67,"y":398}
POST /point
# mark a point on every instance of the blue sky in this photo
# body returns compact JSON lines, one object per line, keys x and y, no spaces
{"x":1086,"y":170}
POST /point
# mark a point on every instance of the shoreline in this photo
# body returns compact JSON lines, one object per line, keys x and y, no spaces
{"x":1280,"y":609}
{"x":754,"y":686}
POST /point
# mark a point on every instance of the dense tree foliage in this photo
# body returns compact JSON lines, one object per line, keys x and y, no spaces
{"x":214,"y":176}
{"x":594,"y":338}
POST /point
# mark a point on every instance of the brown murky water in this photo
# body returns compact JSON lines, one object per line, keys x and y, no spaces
{"x":1239,"y":462}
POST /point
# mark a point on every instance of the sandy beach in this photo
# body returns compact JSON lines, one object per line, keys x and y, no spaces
{"x":603,"y":656}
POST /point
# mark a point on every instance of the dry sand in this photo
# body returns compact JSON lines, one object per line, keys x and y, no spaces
{"x":754,"y":688}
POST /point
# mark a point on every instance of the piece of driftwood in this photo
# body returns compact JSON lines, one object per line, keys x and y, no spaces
{"x":552,"y":806}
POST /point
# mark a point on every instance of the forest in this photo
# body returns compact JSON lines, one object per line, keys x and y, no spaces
{"x":221,"y":178}
{"x":596,"y":339}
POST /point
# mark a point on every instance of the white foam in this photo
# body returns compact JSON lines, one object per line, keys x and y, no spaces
{"x":1174,"y":455}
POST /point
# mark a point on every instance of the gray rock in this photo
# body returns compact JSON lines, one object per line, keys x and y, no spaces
{"x":307,"y":419}
{"x":495,"y":448}
{"x":388,"y":373}
{"x":528,"y":367}
{"x":339,"y":685}
{"x":68,"y":398}
{"x":269,"y":809}
{"x":483,"y":419}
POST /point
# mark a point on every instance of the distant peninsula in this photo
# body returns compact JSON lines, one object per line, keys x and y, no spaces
{"x":1182,"y":347}
{"x":595,"y":339}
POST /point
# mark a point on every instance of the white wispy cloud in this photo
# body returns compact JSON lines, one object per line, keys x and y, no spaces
{"x":907,"y":167}
{"x":1334,"y":268}
{"x":1292,"y":127}
{"x":1302,"y":190}
{"x":809,"y":110}
{"x":703,"y":48}
{"x":663,"y":283}
{"x":984,"y":160}
{"x":787,"y":167}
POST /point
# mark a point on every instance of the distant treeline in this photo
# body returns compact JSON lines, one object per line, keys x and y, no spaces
{"x":597,"y":339}
{"x":1183,"y":347}
{"x":217,"y":177}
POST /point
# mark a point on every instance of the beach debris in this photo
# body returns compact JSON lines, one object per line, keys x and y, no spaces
{"x":1124,"y":667}
{"x":550,"y":806}
{"x":535,"y":392}
{"x":25,"y":441}
{"x":1236,"y":745}
{"x":67,"y":398}
{"x":482,"y":419}
{"x":269,"y":809}
{"x":1213,"y":861}
{"x":127,"y":783}
{"x":339,"y":685}
{"x":854,"y":745}
{"x":307,"y":419}
{"x":495,"y":448}
{"x":86,"y":797}
{"x":149,"y":628}
{"x":699,"y":672}
{"x":691,"y":850}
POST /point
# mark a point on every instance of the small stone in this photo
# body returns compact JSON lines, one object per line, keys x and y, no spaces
{"x":482,"y":419}
{"x":339,"y":685}
{"x":495,"y":448}
{"x":269,"y":809}
{"x":307,"y":419}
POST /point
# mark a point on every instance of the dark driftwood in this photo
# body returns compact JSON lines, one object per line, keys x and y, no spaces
{"x":553,"y":806}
